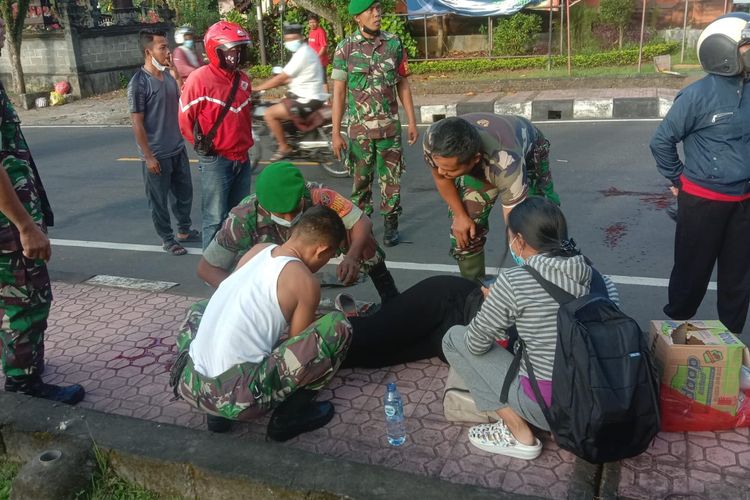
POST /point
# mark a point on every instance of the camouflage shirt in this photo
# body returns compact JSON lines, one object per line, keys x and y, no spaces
{"x":371,"y":69}
{"x":506,"y":141}
{"x":18,"y":164}
{"x":249,"y":224}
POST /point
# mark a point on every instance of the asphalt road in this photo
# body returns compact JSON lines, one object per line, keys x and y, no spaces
{"x":612,"y":196}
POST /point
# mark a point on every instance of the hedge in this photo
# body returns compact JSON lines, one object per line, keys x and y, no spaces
{"x":612,"y":58}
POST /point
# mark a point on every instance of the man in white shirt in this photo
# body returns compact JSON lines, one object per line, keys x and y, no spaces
{"x":233,"y":363}
{"x":305,"y":77}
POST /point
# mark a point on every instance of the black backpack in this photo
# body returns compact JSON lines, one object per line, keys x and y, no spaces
{"x":605,"y":399}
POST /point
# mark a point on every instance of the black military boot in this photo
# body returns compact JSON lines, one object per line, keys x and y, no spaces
{"x":32,"y":385}
{"x":383,"y":281}
{"x":390,"y":235}
{"x":218,"y":424}
{"x":39,"y":361}
{"x":298,"y":414}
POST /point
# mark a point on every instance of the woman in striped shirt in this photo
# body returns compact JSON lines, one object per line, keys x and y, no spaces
{"x":538,"y":236}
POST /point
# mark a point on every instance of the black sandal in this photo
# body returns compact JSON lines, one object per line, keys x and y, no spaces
{"x":192,"y":236}
{"x":174,"y":248}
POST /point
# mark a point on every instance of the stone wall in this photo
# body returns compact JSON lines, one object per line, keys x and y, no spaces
{"x":109,"y":56}
{"x":45,"y":59}
{"x":93,"y":60}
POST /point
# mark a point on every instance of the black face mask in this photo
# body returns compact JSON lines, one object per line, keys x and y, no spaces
{"x":371,"y":32}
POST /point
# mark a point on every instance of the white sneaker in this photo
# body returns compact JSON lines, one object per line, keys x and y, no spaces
{"x":496,"y":438}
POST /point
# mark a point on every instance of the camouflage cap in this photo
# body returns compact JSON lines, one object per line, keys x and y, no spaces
{"x":280,"y":187}
{"x":359,"y":6}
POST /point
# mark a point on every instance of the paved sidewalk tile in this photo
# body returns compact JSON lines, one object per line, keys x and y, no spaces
{"x":119,"y":344}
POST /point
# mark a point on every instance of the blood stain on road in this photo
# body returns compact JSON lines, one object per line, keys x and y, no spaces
{"x":658,"y":201}
{"x":614,"y":234}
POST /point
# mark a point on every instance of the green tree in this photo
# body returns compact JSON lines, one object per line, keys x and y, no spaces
{"x":617,"y":13}
{"x":335,"y":12}
{"x":14,"y":14}
{"x":515,"y":35}
{"x":200,"y":14}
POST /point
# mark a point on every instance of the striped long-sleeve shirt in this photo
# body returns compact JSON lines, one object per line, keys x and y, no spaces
{"x":517,"y":298}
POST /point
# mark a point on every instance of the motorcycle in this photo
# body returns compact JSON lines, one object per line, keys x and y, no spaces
{"x":313,"y":145}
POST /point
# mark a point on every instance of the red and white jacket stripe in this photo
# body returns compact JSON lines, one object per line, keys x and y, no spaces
{"x":203,"y":97}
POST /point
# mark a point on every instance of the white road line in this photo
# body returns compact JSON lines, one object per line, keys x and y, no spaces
{"x":392,"y":264}
{"x":106,"y":245}
{"x":423,"y":125}
{"x":603,"y":120}
{"x":298,"y":163}
{"x":76,"y":126}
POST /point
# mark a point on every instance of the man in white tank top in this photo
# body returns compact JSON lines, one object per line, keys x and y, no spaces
{"x":233,"y":363}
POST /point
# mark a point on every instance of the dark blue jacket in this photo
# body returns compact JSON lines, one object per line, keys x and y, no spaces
{"x":711,"y":117}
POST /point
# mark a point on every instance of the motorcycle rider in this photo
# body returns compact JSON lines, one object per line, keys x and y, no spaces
{"x":184,"y":57}
{"x":304,"y":74}
{"x":711,"y":179}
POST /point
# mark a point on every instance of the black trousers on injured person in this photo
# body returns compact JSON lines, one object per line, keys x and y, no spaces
{"x":710,"y":232}
{"x":411,"y":326}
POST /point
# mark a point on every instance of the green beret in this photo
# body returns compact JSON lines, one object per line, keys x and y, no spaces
{"x":279,"y":187}
{"x":359,"y":6}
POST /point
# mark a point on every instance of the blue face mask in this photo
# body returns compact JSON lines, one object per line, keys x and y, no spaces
{"x":189,"y":44}
{"x":293,"y":45}
{"x":516,"y":258}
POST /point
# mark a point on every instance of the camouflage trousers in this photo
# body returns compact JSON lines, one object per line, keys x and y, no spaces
{"x":384,"y":157}
{"x":25,"y":300}
{"x":245,"y":391}
{"x":479,"y":196}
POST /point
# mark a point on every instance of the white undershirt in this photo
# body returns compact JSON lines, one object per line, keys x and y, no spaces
{"x":243,"y":320}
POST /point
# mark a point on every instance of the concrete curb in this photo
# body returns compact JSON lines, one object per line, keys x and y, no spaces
{"x":553,"y":105}
{"x":174,"y":460}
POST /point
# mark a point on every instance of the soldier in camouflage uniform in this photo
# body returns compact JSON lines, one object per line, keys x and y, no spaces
{"x":369,"y":69}
{"x":234,"y":363}
{"x":474,"y":159}
{"x":25,"y":292}
{"x":257,"y":220}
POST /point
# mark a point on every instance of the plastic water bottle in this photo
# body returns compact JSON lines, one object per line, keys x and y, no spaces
{"x":394,"y":416}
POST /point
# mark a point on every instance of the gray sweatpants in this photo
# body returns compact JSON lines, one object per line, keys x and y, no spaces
{"x":174,"y":186}
{"x":484,"y":376}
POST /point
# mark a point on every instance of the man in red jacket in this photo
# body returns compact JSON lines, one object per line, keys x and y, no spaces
{"x":222,"y":158}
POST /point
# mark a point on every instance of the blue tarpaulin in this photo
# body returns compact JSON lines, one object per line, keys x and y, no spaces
{"x":471,"y":8}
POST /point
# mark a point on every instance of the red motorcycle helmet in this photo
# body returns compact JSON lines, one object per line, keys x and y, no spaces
{"x":223,"y":36}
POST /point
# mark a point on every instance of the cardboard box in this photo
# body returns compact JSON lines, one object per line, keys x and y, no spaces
{"x":707,"y":368}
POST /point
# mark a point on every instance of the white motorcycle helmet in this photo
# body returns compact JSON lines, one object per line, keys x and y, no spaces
{"x":179,"y":34}
{"x":718,"y":45}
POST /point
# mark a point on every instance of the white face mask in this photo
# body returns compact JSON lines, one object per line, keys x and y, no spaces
{"x":283,"y":222}
{"x":156,"y":64}
{"x":293,"y":46}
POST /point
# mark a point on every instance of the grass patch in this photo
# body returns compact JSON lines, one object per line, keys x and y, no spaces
{"x":106,"y":485}
{"x":8,"y":471}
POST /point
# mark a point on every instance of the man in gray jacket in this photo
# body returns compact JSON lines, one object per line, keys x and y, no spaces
{"x":711,"y":117}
